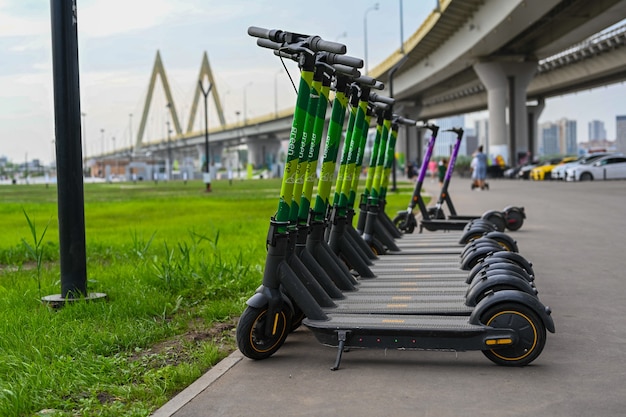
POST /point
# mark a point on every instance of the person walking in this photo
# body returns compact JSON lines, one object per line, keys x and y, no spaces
{"x":442,"y":167}
{"x":479,"y":169}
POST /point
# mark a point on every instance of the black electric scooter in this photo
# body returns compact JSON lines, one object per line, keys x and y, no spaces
{"x":508,"y":326}
{"x":512,"y":217}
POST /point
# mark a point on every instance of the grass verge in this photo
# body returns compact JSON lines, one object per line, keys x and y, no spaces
{"x":177,"y":265}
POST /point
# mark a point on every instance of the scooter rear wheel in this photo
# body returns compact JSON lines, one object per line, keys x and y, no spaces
{"x":251,"y":338}
{"x":531,"y":334}
{"x":514,"y":220}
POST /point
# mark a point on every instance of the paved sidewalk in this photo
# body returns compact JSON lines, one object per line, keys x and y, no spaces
{"x":573,"y":236}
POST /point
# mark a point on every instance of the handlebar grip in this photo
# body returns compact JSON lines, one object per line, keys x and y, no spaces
{"x":427,"y":125}
{"x":404,"y":121}
{"x":365,"y":80}
{"x":347,"y":70}
{"x":258,"y":32}
{"x":382,"y":99}
{"x":318,"y":44}
{"x":379,"y":85}
{"x":344,"y":60}
{"x":285,"y":54}
{"x":380,"y":105}
{"x":266,"y":43}
{"x":457,"y":130}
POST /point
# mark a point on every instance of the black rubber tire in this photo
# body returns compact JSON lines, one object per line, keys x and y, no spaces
{"x":531,"y":334}
{"x":403,"y":224}
{"x":498,"y":220}
{"x":586,"y":176}
{"x":250,"y":338}
{"x":436,"y":214}
{"x":377,"y":247}
{"x":514,"y":220}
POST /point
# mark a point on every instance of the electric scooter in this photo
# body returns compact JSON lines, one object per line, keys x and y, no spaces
{"x":511,"y":217}
{"x":508,"y":326}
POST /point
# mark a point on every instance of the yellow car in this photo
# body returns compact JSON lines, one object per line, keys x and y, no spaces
{"x":541,"y":172}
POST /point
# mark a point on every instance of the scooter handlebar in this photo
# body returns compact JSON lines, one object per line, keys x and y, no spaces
{"x":430,"y":126}
{"x":316,"y":44}
{"x":319,"y":44}
{"x":350,"y":61}
{"x":383,"y":99}
{"x":347,"y":70}
{"x":283,"y":54}
{"x":365,"y":80}
{"x":378,"y":85}
{"x":404,"y":121}
{"x":266,"y":43}
{"x":457,"y":130}
{"x":258,"y":32}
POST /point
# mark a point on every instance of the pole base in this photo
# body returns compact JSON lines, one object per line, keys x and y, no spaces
{"x":57,"y":300}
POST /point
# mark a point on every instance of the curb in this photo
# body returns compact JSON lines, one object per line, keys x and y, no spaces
{"x":202,"y":383}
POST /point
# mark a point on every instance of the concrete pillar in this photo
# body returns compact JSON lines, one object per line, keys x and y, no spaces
{"x":534,"y":111}
{"x":506,"y":82}
{"x":409,"y":142}
{"x":262,"y":152}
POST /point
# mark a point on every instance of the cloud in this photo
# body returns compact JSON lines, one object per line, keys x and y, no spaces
{"x":12,"y":25}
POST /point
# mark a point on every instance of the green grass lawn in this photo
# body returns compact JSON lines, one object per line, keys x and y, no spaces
{"x":177,"y":265}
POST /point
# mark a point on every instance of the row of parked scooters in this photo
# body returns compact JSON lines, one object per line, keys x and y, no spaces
{"x":376,"y":285}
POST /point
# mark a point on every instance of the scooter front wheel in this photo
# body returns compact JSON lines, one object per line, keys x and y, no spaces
{"x":531,"y":334}
{"x":403,"y":222}
{"x":257,"y":340}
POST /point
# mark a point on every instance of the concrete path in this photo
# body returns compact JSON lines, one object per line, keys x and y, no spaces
{"x":574,"y":236}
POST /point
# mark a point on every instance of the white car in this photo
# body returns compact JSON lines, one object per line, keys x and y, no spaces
{"x":559,"y":172}
{"x":606,"y":168}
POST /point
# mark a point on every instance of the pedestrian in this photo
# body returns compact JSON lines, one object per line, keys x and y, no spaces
{"x":432,"y":168}
{"x":442,"y":167}
{"x":479,"y":169}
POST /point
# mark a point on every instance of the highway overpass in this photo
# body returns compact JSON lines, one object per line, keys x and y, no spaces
{"x":468,"y":55}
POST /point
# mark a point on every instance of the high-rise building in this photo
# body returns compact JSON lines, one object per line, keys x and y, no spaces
{"x":568,"y":143}
{"x":481,"y":129}
{"x":620,"y":133}
{"x":597,"y":130}
{"x":549,"y":142}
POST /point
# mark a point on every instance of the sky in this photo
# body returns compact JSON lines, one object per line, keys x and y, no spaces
{"x":118,"y":41}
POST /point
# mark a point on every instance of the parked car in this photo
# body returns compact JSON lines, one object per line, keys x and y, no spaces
{"x":524,"y":171}
{"x":543,"y":171}
{"x":560,"y":171}
{"x":606,"y":168}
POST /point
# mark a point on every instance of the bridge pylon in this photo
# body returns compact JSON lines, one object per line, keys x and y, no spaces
{"x":205,"y":71}
{"x":159,"y":70}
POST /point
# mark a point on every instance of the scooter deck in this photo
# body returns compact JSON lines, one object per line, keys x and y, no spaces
{"x":435,"y":225}
{"x":436,"y":306}
{"x":417,"y":260}
{"x":410,"y":250}
{"x":445,"y":304}
{"x":412,"y":290}
{"x":430,"y":332}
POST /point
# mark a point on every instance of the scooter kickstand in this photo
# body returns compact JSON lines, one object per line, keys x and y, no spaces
{"x":341,"y":336}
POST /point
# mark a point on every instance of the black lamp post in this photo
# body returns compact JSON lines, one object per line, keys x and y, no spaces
{"x":207,"y":169}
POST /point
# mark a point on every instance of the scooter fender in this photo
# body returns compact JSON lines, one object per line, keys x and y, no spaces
{"x":517,"y":258}
{"x":273,"y":298}
{"x":496,"y":283}
{"x":479,"y":243}
{"x":512,"y":296}
{"x":491,"y":214}
{"x":503,"y":239}
{"x":515,"y":208}
{"x":503,"y":267}
{"x":473,"y":257}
